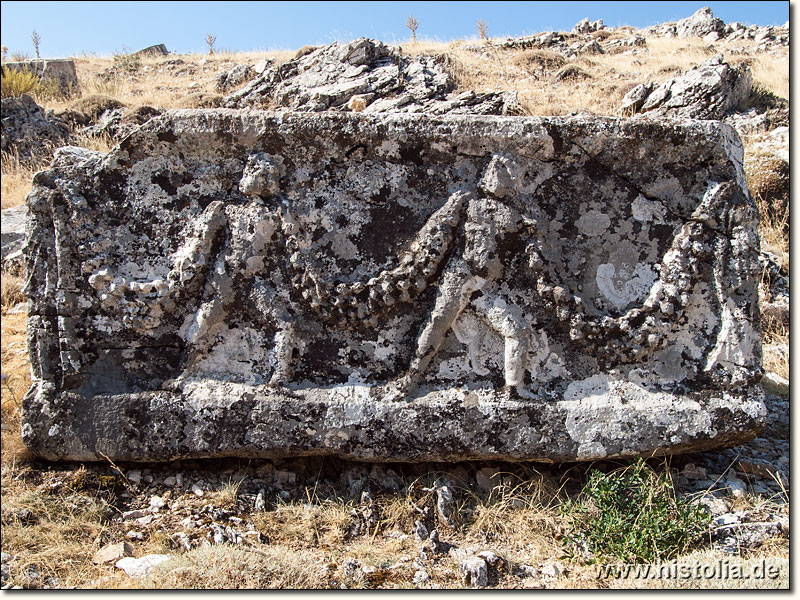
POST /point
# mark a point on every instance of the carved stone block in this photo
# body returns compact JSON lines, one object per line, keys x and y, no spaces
{"x":394,"y":287}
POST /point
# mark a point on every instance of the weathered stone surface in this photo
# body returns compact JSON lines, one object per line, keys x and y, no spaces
{"x":709,"y":91}
{"x":235,"y":77}
{"x":61,"y":70}
{"x":139,"y":567}
{"x":27,"y":132}
{"x":155,"y":50}
{"x":121,"y":122}
{"x":700,"y":24}
{"x":13,"y":229}
{"x":586,"y":26}
{"x":384,"y":80}
{"x":394,"y":287}
{"x":111,"y":553}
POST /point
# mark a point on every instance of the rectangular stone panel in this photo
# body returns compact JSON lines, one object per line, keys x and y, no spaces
{"x":394,"y":287}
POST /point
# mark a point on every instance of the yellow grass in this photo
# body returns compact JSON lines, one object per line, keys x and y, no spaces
{"x":16,"y":180}
{"x":16,"y":380}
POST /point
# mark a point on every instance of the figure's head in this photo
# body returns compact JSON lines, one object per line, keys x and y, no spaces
{"x":262,"y":175}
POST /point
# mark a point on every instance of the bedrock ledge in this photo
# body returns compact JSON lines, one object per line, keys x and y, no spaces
{"x":216,"y":419}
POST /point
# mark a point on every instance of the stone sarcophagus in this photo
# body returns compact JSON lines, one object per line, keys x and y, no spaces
{"x":394,"y":287}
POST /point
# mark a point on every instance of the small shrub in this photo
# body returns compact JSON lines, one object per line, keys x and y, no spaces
{"x":533,"y":60}
{"x":412,"y":25}
{"x":633,"y":515}
{"x":16,"y":82}
{"x":36,"y":39}
{"x":483,"y":29}
{"x":125,"y":61}
{"x":18,"y":56}
{"x":210,"y":39}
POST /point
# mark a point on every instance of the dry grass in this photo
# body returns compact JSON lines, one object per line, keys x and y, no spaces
{"x":11,"y":291}
{"x":768,"y":180}
{"x":777,"y":334}
{"x":57,"y":535}
{"x":16,"y":179}
{"x":16,"y":379}
{"x":306,"y":524}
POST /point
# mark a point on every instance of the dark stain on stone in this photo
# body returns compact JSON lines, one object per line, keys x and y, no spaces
{"x":389,"y":227}
{"x":164,"y":181}
{"x":167,"y":136}
{"x":412,"y":154}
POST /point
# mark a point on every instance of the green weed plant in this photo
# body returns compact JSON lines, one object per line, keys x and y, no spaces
{"x":633,"y":515}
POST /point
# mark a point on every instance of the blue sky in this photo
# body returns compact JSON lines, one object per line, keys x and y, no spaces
{"x":74,"y":28}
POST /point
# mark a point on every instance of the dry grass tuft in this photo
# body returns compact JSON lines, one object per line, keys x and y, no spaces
{"x":16,"y":179}
{"x":12,"y":295}
{"x":603,"y":34}
{"x":318,"y":525}
{"x":768,"y":180}
{"x":776,"y":335}
{"x":16,"y":380}
{"x":533,"y":61}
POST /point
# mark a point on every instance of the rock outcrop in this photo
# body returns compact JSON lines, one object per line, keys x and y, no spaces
{"x":711,"y":90}
{"x":150,"y":51}
{"x":366,"y":76}
{"x":235,"y":77}
{"x":27,"y":132}
{"x":701,"y":24}
{"x":587,"y":26}
{"x":394,"y":287}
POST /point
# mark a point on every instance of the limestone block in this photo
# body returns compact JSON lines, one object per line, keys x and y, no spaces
{"x":59,"y":69}
{"x":394,"y":287}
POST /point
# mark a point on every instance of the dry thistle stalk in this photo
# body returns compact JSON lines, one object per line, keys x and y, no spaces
{"x":36,"y":38}
{"x":483,"y":29}
{"x":5,"y":52}
{"x":412,"y":24}
{"x":210,"y":39}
